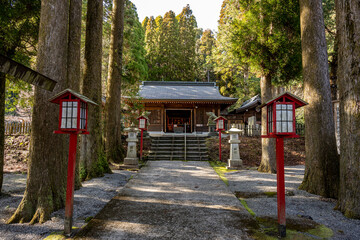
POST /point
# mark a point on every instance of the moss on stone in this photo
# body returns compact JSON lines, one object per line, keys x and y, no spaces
{"x":56,"y":236}
{"x":321,"y":231}
{"x":296,"y":228}
{"x":220,"y":169}
{"x":243,"y":202}
{"x":88,"y":219}
{"x":270,"y":194}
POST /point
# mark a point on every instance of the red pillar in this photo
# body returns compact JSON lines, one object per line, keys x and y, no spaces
{"x":220,"y":145}
{"x":70,"y":183}
{"x":141,"y":143}
{"x":280,"y":185}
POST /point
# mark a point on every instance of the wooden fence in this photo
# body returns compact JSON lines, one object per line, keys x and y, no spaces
{"x":17,"y":128}
{"x":255,"y":130}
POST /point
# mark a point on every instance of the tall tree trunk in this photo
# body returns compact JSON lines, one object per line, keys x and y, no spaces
{"x":2,"y":126}
{"x":92,"y":156}
{"x":322,"y":161}
{"x":73,"y":62}
{"x":268,"y":152}
{"x":333,"y":69}
{"x":45,"y":189}
{"x":114,"y":150}
{"x":348,"y":17}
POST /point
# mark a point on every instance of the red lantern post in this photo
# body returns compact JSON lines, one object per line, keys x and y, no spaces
{"x":220,"y":126}
{"x":281,"y":124}
{"x":142,"y":126}
{"x":73,"y":121}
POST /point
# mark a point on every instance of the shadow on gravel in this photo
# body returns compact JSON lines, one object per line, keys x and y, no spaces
{"x":146,"y":219}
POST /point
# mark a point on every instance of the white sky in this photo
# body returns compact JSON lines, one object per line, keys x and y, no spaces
{"x":207,"y":12}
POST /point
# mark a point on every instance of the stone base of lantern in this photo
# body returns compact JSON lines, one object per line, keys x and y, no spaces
{"x":235,"y":164}
{"x":131,"y":163}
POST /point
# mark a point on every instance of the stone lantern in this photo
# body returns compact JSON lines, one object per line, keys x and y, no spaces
{"x":131,"y":159}
{"x":234,"y":162}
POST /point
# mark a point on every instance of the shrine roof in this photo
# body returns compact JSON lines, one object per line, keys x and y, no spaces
{"x":191,"y":91}
{"x":249,"y":104}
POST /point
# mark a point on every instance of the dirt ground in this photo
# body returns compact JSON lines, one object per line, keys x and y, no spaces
{"x":16,"y":154}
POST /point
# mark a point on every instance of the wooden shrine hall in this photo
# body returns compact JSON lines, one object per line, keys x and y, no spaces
{"x":174,"y":104}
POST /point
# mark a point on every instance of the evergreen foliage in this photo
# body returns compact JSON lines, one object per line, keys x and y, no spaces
{"x":187,"y":63}
{"x":171,"y":46}
{"x":266,"y":37}
{"x":234,"y":77}
{"x":168,"y":56}
{"x":19,"y":24}
{"x":134,"y":63}
{"x":204,"y":50}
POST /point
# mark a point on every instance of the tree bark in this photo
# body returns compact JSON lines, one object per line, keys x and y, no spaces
{"x":45,"y":189}
{"x":348,"y":17}
{"x":322,"y":161}
{"x":114,"y":150}
{"x":92,"y":156}
{"x":2,"y":126}
{"x":73,"y":63}
{"x":268,"y":152}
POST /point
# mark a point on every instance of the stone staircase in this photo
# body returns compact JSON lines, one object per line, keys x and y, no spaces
{"x":173,"y":148}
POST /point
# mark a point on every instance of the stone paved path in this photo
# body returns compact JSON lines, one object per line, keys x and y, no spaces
{"x":172,"y":200}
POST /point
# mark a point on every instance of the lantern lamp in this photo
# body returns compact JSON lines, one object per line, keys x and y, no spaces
{"x":73,"y":111}
{"x":281,"y":115}
{"x":220,"y":123}
{"x":143,"y":122}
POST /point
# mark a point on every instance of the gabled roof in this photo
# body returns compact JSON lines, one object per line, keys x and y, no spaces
{"x":57,"y":97}
{"x":178,"y":91}
{"x":298,"y":101}
{"x":249,"y":104}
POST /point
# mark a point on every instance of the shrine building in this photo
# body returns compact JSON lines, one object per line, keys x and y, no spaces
{"x":174,"y":104}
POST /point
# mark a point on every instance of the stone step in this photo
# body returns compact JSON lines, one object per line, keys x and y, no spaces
{"x":189,"y":158}
{"x":178,"y":152}
{"x":177,"y":142}
{"x":173,"y":148}
{"x":176,"y":145}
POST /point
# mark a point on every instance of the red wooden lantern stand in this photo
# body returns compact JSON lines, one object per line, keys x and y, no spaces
{"x":142,"y":126}
{"x":280,"y":124}
{"x":72,"y":120}
{"x":220,"y":126}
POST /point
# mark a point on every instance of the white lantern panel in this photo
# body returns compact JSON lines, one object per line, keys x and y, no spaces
{"x":64,"y":109}
{"x":69,"y":111}
{"x":290,"y":127}
{"x":69,"y":115}
{"x":74,"y":123}
{"x":63,"y":123}
{"x":142,"y":123}
{"x":284,"y":118}
{"x":278,"y":127}
{"x":74,"y":110}
{"x":290,"y":115}
{"x":83,"y":115}
{"x":221,"y":124}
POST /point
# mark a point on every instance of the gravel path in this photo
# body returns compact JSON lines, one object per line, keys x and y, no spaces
{"x":172,"y":200}
{"x":88,"y":201}
{"x":252,"y":186}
